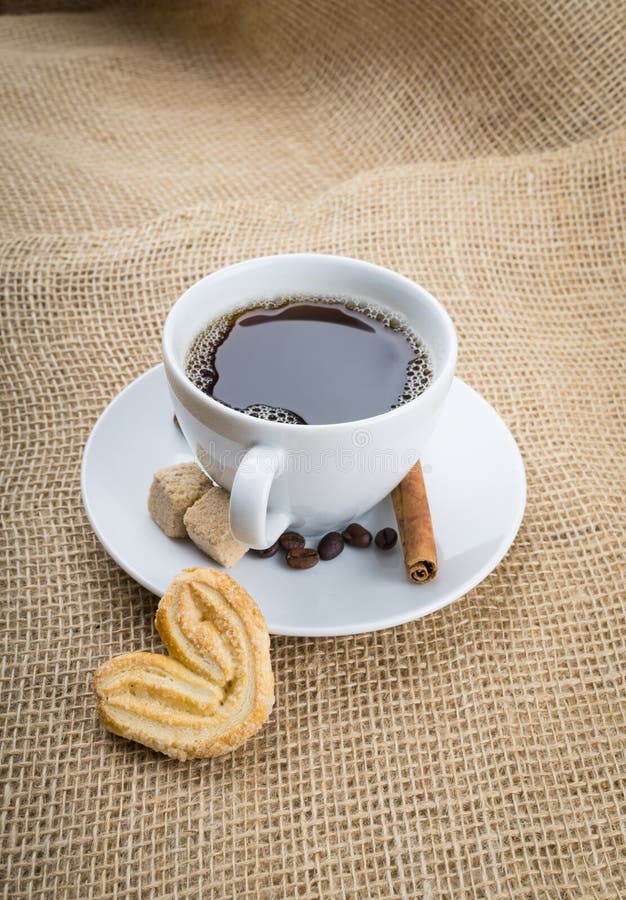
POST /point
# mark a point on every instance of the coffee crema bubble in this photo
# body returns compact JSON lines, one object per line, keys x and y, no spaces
{"x":310,"y":360}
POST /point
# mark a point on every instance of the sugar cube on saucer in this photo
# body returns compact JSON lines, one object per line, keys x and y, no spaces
{"x":207,"y":526}
{"x":174,"y":489}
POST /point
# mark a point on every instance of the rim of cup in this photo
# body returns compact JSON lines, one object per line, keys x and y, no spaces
{"x":176,"y":313}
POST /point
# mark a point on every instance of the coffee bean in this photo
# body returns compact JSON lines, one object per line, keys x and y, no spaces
{"x":386,"y":538}
{"x":269,"y":551}
{"x":289,"y":540}
{"x":330,"y":546}
{"x":357,"y":536}
{"x":302,"y":558}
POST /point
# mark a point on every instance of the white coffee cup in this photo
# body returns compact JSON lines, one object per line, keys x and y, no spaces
{"x":311,"y":478}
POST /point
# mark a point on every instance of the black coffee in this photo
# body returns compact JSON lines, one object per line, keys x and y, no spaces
{"x":310,"y":360}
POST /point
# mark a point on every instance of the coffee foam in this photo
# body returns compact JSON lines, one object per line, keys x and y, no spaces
{"x":273,"y":414}
{"x":200,"y":360}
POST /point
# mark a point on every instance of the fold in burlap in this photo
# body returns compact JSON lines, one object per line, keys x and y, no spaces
{"x":478,"y":147}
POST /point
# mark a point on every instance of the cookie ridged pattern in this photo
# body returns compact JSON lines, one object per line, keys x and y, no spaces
{"x":216,"y":687}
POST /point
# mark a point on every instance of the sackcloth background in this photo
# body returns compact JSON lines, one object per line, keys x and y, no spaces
{"x":475,"y":145}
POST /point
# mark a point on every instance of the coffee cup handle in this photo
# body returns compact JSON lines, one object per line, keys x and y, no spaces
{"x":250,"y":520}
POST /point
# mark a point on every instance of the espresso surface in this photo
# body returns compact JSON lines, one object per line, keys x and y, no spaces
{"x":310,"y":362}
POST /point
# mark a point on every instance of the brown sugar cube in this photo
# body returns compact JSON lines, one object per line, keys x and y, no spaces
{"x":173,"y":490}
{"x":207,"y":526}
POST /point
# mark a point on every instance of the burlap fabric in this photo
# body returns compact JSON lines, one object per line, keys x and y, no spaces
{"x":476,"y":146}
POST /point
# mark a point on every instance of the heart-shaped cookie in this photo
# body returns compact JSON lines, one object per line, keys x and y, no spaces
{"x":213,"y":691}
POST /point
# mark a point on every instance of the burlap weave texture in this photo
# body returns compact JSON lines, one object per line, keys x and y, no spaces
{"x":479,"y":147}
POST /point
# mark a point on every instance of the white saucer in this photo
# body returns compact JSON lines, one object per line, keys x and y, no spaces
{"x":476,"y":487}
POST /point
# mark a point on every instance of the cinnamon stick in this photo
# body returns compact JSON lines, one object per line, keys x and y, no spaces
{"x":410,"y":504}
